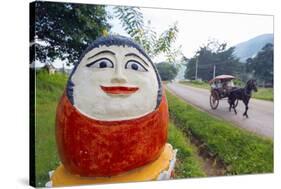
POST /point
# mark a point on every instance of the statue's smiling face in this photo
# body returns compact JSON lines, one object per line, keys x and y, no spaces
{"x":114,"y":83}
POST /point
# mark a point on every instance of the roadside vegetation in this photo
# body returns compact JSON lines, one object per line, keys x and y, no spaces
{"x":187,"y":164}
{"x":198,"y":84}
{"x":262,"y":94}
{"x":49,"y":88}
{"x":241,"y":151}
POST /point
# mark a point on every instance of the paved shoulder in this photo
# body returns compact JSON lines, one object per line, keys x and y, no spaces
{"x":261,"y":113}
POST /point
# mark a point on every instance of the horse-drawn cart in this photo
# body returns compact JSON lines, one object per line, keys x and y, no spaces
{"x":221,"y":86}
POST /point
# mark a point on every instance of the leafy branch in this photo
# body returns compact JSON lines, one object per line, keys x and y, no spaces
{"x":132,"y":21}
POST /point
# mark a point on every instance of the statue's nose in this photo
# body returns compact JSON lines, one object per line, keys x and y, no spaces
{"x":118,"y":80}
{"x":119,"y":77}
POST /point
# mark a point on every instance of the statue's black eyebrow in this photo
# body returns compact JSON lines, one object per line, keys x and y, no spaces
{"x":133,"y":54}
{"x":101,"y":52}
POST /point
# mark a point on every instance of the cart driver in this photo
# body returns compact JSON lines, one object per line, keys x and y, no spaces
{"x":227,"y":86}
{"x":216,"y":85}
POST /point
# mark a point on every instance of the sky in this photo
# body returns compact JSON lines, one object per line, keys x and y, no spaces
{"x":197,"y":27}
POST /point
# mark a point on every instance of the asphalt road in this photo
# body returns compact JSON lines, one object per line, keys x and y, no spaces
{"x":260,"y":112}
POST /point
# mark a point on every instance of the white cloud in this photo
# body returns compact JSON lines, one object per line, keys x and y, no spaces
{"x":197,"y":27}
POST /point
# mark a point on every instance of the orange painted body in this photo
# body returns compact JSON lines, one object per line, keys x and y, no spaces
{"x":89,"y":147}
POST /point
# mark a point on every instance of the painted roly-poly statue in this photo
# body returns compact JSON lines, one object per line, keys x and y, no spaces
{"x":113,"y":115}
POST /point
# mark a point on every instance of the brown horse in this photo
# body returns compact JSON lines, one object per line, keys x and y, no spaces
{"x":243,"y":94}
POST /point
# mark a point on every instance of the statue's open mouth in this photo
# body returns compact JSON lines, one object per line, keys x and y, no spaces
{"x":121,"y":90}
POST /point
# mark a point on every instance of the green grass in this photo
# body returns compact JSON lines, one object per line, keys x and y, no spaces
{"x":198,"y":84}
{"x":187,"y":161}
{"x":49,"y":88}
{"x":242,"y":151}
{"x":262,"y":94}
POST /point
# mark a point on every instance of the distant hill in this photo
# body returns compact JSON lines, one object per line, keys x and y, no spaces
{"x":251,"y":47}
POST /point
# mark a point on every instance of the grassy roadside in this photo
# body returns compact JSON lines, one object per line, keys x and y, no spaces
{"x":187,"y":161}
{"x":242,"y":151}
{"x":262,"y":94}
{"x":49,"y":88}
{"x":202,"y":85}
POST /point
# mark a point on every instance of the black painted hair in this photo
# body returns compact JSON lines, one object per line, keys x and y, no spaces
{"x":113,"y":40}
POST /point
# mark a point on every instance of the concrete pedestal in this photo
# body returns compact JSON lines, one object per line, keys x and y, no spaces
{"x":160,"y":169}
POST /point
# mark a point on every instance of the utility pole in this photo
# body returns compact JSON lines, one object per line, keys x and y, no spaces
{"x":196,"y":68}
{"x":214,"y":71}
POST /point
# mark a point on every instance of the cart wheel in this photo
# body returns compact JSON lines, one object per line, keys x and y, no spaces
{"x":236,"y":103}
{"x":214,"y":100}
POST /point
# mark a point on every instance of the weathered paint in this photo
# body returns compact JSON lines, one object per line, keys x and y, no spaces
{"x":151,"y":171}
{"x":108,"y":41}
{"x":90,"y":147}
{"x":101,"y":78}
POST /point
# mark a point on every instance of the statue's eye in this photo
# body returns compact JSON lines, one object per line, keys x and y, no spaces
{"x":134,"y":65}
{"x":101,"y":63}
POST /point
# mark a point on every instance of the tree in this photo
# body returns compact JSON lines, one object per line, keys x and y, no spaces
{"x":214,"y":54}
{"x":190,"y":69}
{"x":167,"y":71}
{"x":64,"y":30}
{"x":132,"y":21}
{"x":261,"y":66}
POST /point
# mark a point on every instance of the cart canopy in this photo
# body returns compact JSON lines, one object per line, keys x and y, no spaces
{"x":222,"y":78}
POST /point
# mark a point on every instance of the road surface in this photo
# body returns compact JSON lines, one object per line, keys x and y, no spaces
{"x":260,"y":112}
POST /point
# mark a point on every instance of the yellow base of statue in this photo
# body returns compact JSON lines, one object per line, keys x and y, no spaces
{"x":160,"y":169}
